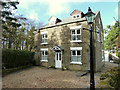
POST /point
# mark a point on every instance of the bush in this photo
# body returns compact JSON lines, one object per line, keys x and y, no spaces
{"x":118,"y":54}
{"x":110,"y":79}
{"x":16,"y":58}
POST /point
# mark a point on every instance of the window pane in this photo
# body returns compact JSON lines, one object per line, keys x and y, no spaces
{"x":74,"y":16}
{"x":78,"y":31}
{"x":78,"y":37}
{"x":73,"y":52}
{"x":45,"y":35}
{"x":42,"y":40}
{"x":42,"y":53}
{"x":45,"y":40}
{"x":73,"y":37}
{"x":42,"y":35}
{"x":73,"y":31}
{"x":74,"y":58}
{"x":78,"y":58}
{"x":78,"y":53}
{"x":46,"y":53}
{"x":59,"y":56}
{"x":45,"y":57}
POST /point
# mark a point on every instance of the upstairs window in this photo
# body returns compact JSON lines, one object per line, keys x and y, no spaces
{"x":76,"y":34}
{"x":44,"y":37}
{"x":98,"y":34}
{"x":74,"y":16}
{"x":102,"y":39}
{"x":77,"y":16}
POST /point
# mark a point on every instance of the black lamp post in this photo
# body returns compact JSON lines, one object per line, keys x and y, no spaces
{"x":90,"y":19}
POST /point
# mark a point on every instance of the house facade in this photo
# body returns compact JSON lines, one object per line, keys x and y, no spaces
{"x":64,"y":44}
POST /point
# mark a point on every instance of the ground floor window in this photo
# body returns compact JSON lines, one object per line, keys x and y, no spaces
{"x":102,"y":55}
{"x":44,"y":54}
{"x":76,"y":55}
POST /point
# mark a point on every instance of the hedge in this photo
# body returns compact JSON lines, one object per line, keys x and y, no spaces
{"x":16,"y":58}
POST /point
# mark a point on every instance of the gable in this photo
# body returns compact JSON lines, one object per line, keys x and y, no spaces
{"x":75,"y":12}
{"x":53,"y":20}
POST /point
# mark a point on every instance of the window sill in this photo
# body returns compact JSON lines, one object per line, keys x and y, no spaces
{"x":43,"y":43}
{"x":44,"y":60}
{"x":75,"y":63}
{"x":76,"y":41}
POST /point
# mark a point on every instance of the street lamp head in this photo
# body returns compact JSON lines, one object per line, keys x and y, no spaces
{"x":89,"y":16}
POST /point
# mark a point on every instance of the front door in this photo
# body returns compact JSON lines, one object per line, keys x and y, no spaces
{"x":58,"y":59}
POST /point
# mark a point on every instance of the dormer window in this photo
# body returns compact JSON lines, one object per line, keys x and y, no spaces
{"x":74,"y":16}
{"x":77,"y":16}
{"x":53,"y":20}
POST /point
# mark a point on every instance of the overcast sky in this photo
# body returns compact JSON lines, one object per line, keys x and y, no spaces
{"x":42,"y":10}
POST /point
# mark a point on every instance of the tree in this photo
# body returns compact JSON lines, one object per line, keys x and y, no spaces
{"x":113,"y":33}
{"x":9,"y":23}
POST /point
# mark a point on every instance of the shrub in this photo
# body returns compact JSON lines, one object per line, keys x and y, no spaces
{"x":110,"y":79}
{"x":16,"y":58}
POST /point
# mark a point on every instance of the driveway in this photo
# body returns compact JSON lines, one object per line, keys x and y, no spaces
{"x":39,"y":77}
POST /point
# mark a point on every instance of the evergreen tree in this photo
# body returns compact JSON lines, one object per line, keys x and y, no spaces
{"x":9,"y":23}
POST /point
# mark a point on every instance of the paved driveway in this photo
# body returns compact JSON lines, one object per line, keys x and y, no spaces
{"x":38,"y":77}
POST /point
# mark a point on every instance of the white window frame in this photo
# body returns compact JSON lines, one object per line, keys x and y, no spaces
{"x":76,"y":28}
{"x":76,"y":49}
{"x":98,"y":33}
{"x":44,"y":33}
{"x":43,"y":50}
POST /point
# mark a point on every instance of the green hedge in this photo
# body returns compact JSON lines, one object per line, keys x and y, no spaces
{"x":16,"y":58}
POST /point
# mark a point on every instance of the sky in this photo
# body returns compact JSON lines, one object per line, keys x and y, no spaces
{"x":42,"y":10}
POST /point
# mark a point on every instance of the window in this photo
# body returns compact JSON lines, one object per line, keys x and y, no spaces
{"x":76,"y":34}
{"x":99,"y":20}
{"x":77,"y":16}
{"x":98,"y":35}
{"x":44,"y":54}
{"x":76,"y":55}
{"x":44,"y":38}
{"x":102,"y":37}
{"x":74,"y":16}
{"x":102,"y":55}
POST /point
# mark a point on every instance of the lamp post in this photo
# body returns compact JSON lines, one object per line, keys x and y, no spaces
{"x":90,"y":19}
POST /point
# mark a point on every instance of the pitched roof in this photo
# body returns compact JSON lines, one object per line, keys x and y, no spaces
{"x":66,"y":20}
